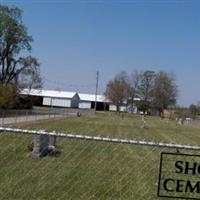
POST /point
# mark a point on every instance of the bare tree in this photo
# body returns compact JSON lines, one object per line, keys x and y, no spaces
{"x":134,"y":81}
{"x":193,"y":110}
{"x":164,"y":91}
{"x":117,"y":89}
{"x":145,"y":89}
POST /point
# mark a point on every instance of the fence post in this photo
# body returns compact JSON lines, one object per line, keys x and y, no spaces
{"x":26,"y":116}
{"x":15,"y":116}
{"x":2,"y":121}
{"x":52,"y":140}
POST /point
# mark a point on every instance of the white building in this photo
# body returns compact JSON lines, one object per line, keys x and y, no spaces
{"x":113,"y":107}
{"x":75,"y":100}
{"x":55,"y":98}
{"x":87,"y":101}
{"x":124,"y":108}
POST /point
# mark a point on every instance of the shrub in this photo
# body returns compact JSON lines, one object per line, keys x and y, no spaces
{"x":8,"y":96}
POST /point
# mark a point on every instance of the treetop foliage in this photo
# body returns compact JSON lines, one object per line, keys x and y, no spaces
{"x":14,"y":41}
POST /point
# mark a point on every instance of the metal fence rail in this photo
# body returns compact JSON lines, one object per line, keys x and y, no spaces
{"x":100,"y":139}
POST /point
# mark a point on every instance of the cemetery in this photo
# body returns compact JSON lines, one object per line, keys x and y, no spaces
{"x":94,"y":96}
{"x":94,"y":158}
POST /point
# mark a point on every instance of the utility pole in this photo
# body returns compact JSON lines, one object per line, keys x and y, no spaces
{"x":97,"y":82}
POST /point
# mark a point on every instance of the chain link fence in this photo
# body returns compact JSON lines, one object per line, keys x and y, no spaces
{"x":85,"y":168}
{"x":8,"y":117}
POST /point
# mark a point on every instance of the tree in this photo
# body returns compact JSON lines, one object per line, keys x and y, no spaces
{"x":117,"y":89}
{"x":198,"y":107}
{"x":193,"y":110}
{"x":15,"y":40}
{"x":134,"y":81}
{"x":164,"y":91}
{"x":145,"y":89}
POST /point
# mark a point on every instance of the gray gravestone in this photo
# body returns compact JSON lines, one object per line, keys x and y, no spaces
{"x":41,"y":144}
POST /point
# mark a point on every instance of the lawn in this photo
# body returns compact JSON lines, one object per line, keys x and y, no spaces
{"x":86,"y":169}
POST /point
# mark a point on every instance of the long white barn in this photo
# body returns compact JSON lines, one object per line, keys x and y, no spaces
{"x":88,"y":101}
{"x":54,"y":98}
{"x":73,"y":100}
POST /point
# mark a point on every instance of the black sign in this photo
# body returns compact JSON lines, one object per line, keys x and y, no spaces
{"x":179,"y":176}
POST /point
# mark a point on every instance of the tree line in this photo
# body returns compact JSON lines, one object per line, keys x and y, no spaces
{"x":157,"y":91}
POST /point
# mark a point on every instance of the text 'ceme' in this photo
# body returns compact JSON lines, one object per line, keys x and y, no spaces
{"x":190,"y":185}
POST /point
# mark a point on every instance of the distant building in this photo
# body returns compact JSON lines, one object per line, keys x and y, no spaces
{"x":54,"y":98}
{"x":72,"y":100}
{"x":87,"y":101}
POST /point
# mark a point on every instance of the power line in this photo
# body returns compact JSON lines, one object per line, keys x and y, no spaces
{"x":58,"y":83}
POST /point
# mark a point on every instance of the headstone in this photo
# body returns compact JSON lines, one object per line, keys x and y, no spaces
{"x":143,"y":124}
{"x":41,"y":144}
{"x":180,"y":121}
{"x":78,"y":114}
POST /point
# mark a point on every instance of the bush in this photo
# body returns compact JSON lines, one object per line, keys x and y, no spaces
{"x":24,"y":102}
{"x":8,"y":96}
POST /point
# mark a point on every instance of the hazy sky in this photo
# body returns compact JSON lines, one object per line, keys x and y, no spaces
{"x":74,"y":39}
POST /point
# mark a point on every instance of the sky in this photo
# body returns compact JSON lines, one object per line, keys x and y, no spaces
{"x":75,"y":39}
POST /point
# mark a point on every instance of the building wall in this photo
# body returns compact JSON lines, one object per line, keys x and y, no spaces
{"x":46,"y":101}
{"x":75,"y":101}
{"x":112,"y":107}
{"x":122,"y":108}
{"x":58,"y":102}
{"x":85,"y":104}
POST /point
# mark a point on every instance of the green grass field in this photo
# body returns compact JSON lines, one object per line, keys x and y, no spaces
{"x":86,"y":169}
